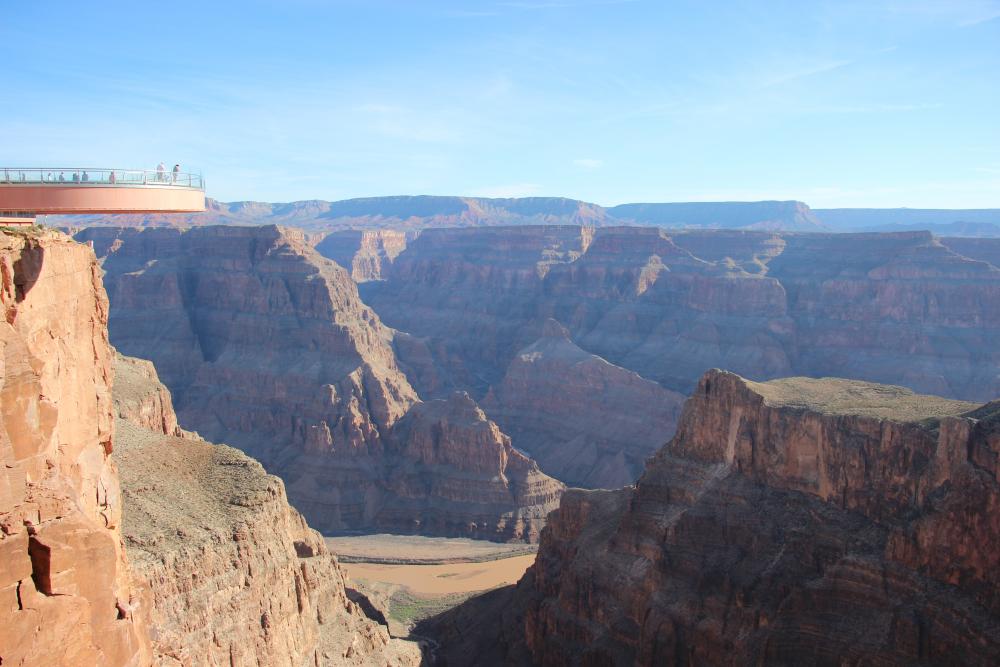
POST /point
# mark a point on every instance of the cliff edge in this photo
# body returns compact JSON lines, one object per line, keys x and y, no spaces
{"x":797,"y":521}
{"x":67,"y":594}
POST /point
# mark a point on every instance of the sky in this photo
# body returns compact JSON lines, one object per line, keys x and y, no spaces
{"x":881,"y":103}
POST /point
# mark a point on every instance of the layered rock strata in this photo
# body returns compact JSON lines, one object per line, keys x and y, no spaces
{"x":901,"y":308}
{"x":796,"y":521}
{"x":578,"y":415}
{"x":455,"y":432}
{"x":233,"y":574}
{"x":365,"y":254}
{"x":67,"y":593}
{"x":266,"y":345}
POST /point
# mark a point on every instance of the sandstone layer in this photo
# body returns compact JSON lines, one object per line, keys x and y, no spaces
{"x":797,"y":521}
{"x":67,"y":594}
{"x":233,"y":574}
{"x":266,"y":345}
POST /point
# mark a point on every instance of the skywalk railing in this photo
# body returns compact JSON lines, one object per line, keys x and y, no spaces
{"x":79,"y":176}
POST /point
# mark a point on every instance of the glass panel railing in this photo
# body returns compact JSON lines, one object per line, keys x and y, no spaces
{"x":77,"y":176}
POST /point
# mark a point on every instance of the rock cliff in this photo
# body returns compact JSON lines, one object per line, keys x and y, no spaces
{"x":797,"y":521}
{"x":267,"y":345}
{"x":578,"y":415}
{"x":68,"y":598}
{"x":365,"y":254}
{"x":985,"y":250}
{"x":233,"y":574}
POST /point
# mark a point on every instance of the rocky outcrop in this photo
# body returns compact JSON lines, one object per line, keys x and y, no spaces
{"x":68,"y":598}
{"x":233,"y":574}
{"x":578,"y":415}
{"x":365,"y":254}
{"x":140,"y":399}
{"x":267,"y":345}
{"x":454,"y":432}
{"x":797,"y":521}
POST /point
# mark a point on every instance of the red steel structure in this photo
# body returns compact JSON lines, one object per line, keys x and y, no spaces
{"x":28,"y":192}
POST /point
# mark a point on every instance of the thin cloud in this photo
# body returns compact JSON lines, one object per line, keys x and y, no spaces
{"x":588,"y":163}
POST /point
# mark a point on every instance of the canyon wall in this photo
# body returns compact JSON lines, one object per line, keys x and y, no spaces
{"x":900,"y":308}
{"x":365,"y":254}
{"x":233,"y":575}
{"x":797,"y":521}
{"x":576,"y":413}
{"x":267,"y":346}
{"x":68,"y":597}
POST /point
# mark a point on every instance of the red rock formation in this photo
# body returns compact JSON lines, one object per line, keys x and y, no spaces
{"x":67,"y":594}
{"x":266,"y":345}
{"x":797,"y":521}
{"x":555,"y":402}
{"x":233,"y":574}
{"x":454,"y":432}
{"x":365,"y":254}
{"x":140,"y":399}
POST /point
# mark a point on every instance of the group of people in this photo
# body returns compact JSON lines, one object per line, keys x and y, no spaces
{"x":161,"y":172}
{"x":76,"y":178}
{"x":84,"y":177}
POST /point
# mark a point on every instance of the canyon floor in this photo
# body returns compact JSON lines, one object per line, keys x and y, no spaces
{"x":410,"y":578}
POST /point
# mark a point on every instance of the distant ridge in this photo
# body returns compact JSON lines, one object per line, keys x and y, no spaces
{"x":423,"y":211}
{"x":960,"y":222}
{"x":769,"y":215}
{"x":415,"y":212}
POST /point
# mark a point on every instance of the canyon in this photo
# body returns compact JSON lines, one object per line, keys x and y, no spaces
{"x":901,"y":308}
{"x":578,"y":343}
{"x":787,"y":521}
{"x":266,"y":345}
{"x":797,"y":521}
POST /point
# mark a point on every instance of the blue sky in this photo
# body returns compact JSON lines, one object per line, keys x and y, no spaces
{"x":880,"y":103}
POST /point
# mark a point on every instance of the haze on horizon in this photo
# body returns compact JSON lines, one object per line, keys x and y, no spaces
{"x":839,"y":104}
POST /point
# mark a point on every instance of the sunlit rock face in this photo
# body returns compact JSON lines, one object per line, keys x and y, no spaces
{"x":266,"y":345}
{"x":68,"y":597}
{"x":797,"y":521}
